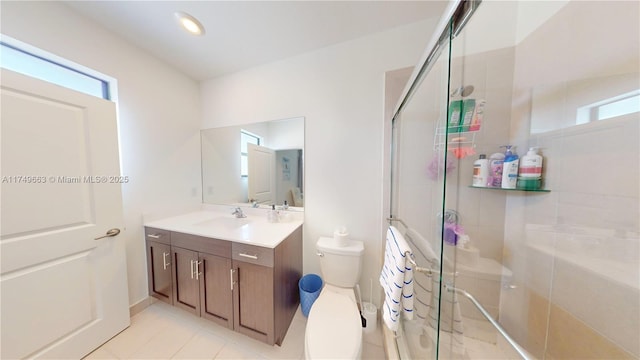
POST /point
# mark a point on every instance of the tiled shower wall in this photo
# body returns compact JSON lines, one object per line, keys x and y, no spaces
{"x":574,"y":252}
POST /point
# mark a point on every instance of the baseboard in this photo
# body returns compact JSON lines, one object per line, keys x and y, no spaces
{"x":140,"y":305}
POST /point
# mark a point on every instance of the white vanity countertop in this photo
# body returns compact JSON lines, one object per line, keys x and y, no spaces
{"x":254,"y":229}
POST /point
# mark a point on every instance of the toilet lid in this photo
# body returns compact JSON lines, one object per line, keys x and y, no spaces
{"x":334,"y":328}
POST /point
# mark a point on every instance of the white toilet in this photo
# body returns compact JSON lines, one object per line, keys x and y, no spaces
{"x":334,"y":328}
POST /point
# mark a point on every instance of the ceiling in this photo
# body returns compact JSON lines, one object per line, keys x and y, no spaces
{"x":243,"y":34}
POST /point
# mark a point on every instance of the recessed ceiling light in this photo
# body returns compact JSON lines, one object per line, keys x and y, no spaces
{"x":189,"y":23}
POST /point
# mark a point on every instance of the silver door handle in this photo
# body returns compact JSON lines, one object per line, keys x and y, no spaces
{"x":111,"y":233}
{"x":165,"y":264}
{"x":197,"y":269}
{"x":254,"y":257}
{"x":231,"y":278}
{"x":153,"y":236}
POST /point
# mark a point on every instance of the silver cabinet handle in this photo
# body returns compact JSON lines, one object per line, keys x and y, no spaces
{"x":192,"y":269}
{"x":165,"y":264}
{"x":153,"y":236}
{"x":231,"y":278}
{"x":254,"y":257}
{"x":197,"y":269}
{"x":111,"y":233}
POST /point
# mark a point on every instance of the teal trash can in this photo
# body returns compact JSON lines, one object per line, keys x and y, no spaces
{"x":310,"y":286}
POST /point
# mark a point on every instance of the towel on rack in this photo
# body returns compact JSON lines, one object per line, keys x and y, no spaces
{"x":396,"y":279}
{"x":427,"y":295}
{"x":423,"y":282}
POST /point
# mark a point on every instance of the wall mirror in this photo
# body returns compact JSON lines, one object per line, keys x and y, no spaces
{"x":261,"y":162}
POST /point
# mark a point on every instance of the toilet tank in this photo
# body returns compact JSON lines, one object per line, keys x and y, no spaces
{"x":340,"y":265}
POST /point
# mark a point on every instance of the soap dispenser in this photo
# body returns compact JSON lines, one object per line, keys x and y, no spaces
{"x":272,"y":215}
{"x":530,"y":174}
{"x":531,"y":166}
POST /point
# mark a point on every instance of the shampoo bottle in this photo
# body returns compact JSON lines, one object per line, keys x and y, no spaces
{"x":510,"y":169}
{"x":496,"y":162}
{"x":481,"y":171}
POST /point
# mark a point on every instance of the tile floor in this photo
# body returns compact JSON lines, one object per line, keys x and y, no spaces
{"x":162,"y":331}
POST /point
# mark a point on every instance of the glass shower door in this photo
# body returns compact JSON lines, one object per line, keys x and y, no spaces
{"x":419,"y":166}
{"x":548,"y":273}
{"x":555,"y":268}
{"x":481,"y":95}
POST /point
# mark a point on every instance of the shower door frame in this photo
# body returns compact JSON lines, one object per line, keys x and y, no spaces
{"x":455,"y":17}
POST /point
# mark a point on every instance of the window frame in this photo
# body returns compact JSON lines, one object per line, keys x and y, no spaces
{"x":244,"y":156}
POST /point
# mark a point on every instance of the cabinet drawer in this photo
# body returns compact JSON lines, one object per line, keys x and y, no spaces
{"x":252,"y":254}
{"x":157,"y":235}
{"x":201,"y":244}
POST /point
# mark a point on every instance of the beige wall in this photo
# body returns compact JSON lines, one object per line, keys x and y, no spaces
{"x":574,"y":251}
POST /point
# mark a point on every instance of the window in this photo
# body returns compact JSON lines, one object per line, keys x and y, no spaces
{"x":246,"y":138}
{"x":16,"y":58}
{"x":620,"y":105}
{"x":29,"y":60}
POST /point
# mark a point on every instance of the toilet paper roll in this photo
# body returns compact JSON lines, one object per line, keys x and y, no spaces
{"x":341,"y":236}
{"x":370,"y":313}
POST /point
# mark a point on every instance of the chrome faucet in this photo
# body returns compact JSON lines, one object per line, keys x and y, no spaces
{"x":238,"y":213}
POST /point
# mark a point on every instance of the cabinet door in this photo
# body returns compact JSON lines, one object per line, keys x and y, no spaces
{"x":216,"y":299}
{"x":159,"y":271}
{"x":253,"y":301}
{"x":186,"y":292}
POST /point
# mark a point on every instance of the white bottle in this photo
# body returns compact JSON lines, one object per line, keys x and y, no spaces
{"x":510,"y":169}
{"x":481,"y":171}
{"x":272,"y":215}
{"x":531,"y":164}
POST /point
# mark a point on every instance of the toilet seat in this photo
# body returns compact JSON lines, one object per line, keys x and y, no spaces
{"x":334,"y":328}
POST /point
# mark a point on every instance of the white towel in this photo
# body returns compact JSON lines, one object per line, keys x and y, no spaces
{"x":396,"y":279}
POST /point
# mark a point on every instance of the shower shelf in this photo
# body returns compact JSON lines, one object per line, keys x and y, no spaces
{"x":453,"y":139}
{"x":520,"y":190}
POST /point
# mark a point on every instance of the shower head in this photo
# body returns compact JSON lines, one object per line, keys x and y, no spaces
{"x":467,"y":90}
{"x":464,"y":91}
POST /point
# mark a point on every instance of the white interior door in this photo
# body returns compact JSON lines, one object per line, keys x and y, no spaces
{"x":261,"y":162}
{"x":63,"y":293}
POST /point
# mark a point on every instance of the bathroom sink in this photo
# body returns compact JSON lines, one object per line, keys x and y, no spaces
{"x":226,"y":222}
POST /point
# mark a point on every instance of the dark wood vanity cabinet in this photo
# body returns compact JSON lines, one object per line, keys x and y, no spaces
{"x":202,"y":277}
{"x":216,"y":298}
{"x":202,"y":285}
{"x":266,"y":294}
{"x":248,"y":288}
{"x":253,"y":301}
{"x":159,"y":266}
{"x":186,"y":291}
